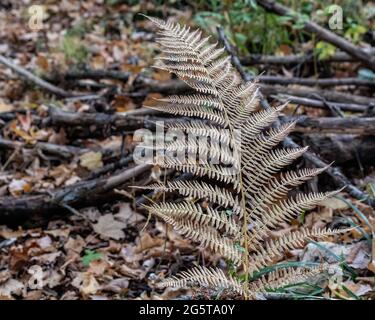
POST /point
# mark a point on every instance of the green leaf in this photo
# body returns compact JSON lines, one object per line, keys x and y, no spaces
{"x":325,"y":50}
{"x":90,"y":256}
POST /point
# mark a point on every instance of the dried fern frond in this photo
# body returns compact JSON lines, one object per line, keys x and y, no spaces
{"x":218,"y":153}
{"x":200,"y":190}
{"x":217,"y":172}
{"x":284,"y":277}
{"x":191,"y":111}
{"x":200,"y":129}
{"x":258,"y":121}
{"x":261,"y":144}
{"x":194,"y":99}
{"x":285,"y":211}
{"x":279,"y":188}
{"x":275,"y":248}
{"x":247,"y":175}
{"x":195,"y":214}
{"x":259,"y":173}
{"x":205,"y":277}
{"x":207,"y":237}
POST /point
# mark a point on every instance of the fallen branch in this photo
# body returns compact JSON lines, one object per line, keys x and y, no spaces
{"x":61,"y":151}
{"x":254,"y":59}
{"x":142,"y":86}
{"x":324,"y":34}
{"x":34,"y":79}
{"x":78,"y":194}
{"x":111,"y":167}
{"x":97,"y":75}
{"x":332,"y":96}
{"x":323,"y":104}
{"x":335,"y":173}
{"x":348,"y":102}
{"x":316,"y":82}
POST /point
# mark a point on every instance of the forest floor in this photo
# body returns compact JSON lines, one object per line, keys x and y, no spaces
{"x":63,"y":235}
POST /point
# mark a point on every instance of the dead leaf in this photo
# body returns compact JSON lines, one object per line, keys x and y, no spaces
{"x":371,"y":265}
{"x":91,"y":160}
{"x":86,"y":283}
{"x":127,"y":215}
{"x":132,"y":273}
{"x":58,"y":233}
{"x":44,"y":242}
{"x":98,"y":267}
{"x":129,"y":254}
{"x":356,"y":255}
{"x":146,"y":241}
{"x":122,"y":104}
{"x":359,"y":255}
{"x":4,"y":107}
{"x":116,"y":285}
{"x":7,"y":233}
{"x":334,"y":203}
{"x":107,"y":226}
{"x":161,"y":75}
{"x":17,"y":187}
{"x":42,"y":63}
{"x":47,"y":258}
{"x":75,"y":244}
{"x":358,"y":288}
{"x":4,"y":276}
{"x":11,"y":287}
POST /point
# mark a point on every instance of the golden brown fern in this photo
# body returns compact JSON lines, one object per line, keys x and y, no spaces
{"x":245,"y":194}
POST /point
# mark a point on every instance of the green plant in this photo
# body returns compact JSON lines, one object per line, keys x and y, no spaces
{"x":256,"y":31}
{"x":325,"y":50}
{"x":73,"y":46}
{"x":90,"y":256}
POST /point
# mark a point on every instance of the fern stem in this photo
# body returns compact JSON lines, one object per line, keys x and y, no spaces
{"x":244,"y":234}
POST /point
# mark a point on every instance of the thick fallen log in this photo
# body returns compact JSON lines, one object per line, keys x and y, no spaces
{"x":349,"y":125}
{"x":346,"y":150}
{"x":77,"y":195}
{"x":97,"y":124}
